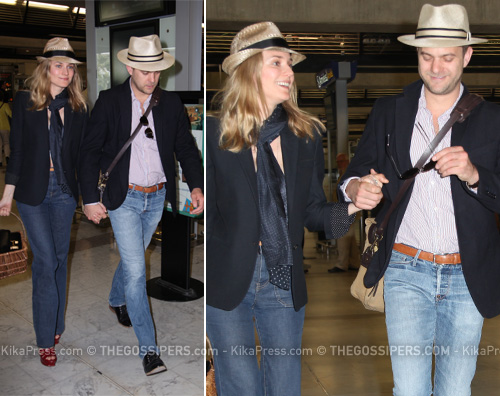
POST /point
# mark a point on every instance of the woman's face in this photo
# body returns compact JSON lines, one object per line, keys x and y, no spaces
{"x":276,"y":77}
{"x":61,"y":75}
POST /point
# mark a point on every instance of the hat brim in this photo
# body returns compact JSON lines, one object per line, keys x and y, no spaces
{"x":234,"y":60}
{"x":63,"y":59}
{"x":435,"y":42}
{"x":167,"y":61}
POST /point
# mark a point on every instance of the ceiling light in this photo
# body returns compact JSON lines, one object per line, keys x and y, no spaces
{"x":82,"y":10}
{"x":8,"y":2}
{"x":46,"y":6}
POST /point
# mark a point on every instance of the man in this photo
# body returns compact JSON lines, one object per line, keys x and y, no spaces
{"x":441,"y":248}
{"x":142,"y":179}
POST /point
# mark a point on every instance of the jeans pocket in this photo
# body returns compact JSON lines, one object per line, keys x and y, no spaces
{"x":284,"y":297}
{"x":399,"y":260}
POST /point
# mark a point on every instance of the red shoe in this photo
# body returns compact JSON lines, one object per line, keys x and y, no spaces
{"x":56,"y":339}
{"x":48,"y":356}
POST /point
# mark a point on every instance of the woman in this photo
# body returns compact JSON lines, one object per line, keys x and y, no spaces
{"x":47,"y":128}
{"x":264,"y":184}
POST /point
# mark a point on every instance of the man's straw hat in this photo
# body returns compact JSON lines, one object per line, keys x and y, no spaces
{"x":145,"y":53}
{"x":444,"y":26}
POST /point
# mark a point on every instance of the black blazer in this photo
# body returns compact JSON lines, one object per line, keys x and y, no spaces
{"x":110,"y":127}
{"x":233,"y":224}
{"x":29,"y":163}
{"x":478,"y":236}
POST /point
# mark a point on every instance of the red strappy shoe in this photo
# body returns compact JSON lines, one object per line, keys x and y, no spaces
{"x":48,"y":356}
{"x":56,"y":339}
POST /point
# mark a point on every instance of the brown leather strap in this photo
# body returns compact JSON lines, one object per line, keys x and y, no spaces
{"x":155,"y":99}
{"x":459,"y":113}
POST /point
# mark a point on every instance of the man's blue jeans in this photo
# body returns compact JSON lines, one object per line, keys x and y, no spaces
{"x":49,"y":229}
{"x":279,"y":328}
{"x":429,"y":311}
{"x":134,"y":223}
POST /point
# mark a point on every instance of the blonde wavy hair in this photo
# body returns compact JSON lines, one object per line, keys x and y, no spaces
{"x":240,"y":108}
{"x":39,"y":85}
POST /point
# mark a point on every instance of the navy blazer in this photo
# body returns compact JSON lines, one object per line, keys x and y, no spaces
{"x":478,"y":236}
{"x":110,"y":127}
{"x":233,"y":219}
{"x":29,"y":163}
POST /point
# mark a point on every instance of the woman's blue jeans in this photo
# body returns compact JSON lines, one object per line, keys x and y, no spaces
{"x":134,"y":223}
{"x":48,"y":226}
{"x":279,"y":328}
{"x":429,"y":311}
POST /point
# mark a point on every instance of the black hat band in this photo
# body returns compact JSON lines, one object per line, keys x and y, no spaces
{"x":51,"y":54}
{"x":442,"y":33}
{"x":272,"y":42}
{"x":150,"y":58}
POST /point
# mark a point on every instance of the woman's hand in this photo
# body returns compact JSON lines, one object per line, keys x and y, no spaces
{"x":6,"y":202}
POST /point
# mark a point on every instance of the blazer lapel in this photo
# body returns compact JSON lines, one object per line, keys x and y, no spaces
{"x":290,"y":150}
{"x":245,"y":159}
{"x":68,"y":120}
{"x":406,"y":111}
{"x":125,"y":108}
{"x":159,"y":124}
{"x":458,"y":129}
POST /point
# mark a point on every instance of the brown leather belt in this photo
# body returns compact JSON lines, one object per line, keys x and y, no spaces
{"x":452,"y":258}
{"x":148,"y":190}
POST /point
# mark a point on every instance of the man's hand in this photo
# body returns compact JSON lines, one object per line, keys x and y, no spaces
{"x":198,"y":201}
{"x":455,"y":161}
{"x":366,"y":192}
{"x":95,"y":212}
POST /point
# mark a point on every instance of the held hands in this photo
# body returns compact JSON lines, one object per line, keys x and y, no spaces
{"x":95,"y":212}
{"x":366,"y":192}
{"x":455,"y":161}
{"x":198,"y":201}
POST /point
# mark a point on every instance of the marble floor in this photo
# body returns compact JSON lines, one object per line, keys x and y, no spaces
{"x":338,"y":332}
{"x":96,"y":354}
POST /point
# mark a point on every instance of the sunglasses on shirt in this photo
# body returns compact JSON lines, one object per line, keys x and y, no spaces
{"x":412,"y":172}
{"x":149,"y":133}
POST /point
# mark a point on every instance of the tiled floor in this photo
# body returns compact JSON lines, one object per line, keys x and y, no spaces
{"x":339,"y":334}
{"x":94,"y":355}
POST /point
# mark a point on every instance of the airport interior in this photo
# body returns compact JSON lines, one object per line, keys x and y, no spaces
{"x":353,"y":58}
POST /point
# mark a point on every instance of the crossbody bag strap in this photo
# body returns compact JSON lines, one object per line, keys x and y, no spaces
{"x":459,"y":114}
{"x":155,"y":99}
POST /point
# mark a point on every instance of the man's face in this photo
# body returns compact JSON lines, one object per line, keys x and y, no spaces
{"x":441,"y":68}
{"x":144,"y":81}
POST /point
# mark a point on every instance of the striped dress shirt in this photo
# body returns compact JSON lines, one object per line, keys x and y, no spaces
{"x":429,"y":220}
{"x":145,"y":163}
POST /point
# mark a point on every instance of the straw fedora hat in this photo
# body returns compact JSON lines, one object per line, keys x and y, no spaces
{"x":444,"y":26}
{"x":254,"y":39}
{"x":58,"y":49}
{"x":145,"y":53}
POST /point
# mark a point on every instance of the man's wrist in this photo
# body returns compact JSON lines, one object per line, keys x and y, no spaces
{"x":473,"y":185}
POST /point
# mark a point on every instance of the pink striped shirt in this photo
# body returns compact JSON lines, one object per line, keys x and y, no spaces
{"x":145,"y":163}
{"x":429,"y":220}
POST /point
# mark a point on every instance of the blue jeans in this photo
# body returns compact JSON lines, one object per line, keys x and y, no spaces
{"x":134,"y":223}
{"x":48,"y":226}
{"x":429,"y":311}
{"x":279,"y":328}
